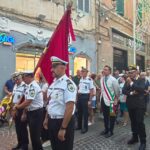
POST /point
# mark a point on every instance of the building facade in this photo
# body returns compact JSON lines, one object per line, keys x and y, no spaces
{"x":26,"y":27}
{"x":116,"y":37}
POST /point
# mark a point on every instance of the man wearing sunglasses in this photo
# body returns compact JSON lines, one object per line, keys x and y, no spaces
{"x":59,"y":118}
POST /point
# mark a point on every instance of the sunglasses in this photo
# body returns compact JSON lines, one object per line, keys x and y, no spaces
{"x":56,"y":64}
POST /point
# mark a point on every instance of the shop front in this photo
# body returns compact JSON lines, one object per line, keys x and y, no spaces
{"x":20,"y":49}
{"x":123,"y":54}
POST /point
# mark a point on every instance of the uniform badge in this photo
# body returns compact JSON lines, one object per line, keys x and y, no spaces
{"x":32,"y":93}
{"x":71,"y":87}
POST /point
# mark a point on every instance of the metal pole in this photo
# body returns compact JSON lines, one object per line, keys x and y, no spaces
{"x":134,"y":32}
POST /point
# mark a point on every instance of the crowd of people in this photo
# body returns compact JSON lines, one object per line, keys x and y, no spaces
{"x":50,"y":110}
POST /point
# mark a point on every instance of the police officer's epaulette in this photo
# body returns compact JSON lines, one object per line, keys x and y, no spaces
{"x":24,"y":85}
{"x":68,"y":81}
{"x":70,"y":85}
{"x":31,"y":85}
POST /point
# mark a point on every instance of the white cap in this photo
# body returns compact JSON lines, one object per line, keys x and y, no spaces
{"x":121,"y":74}
{"x":27,"y":72}
{"x":55,"y":59}
{"x":16,"y":75}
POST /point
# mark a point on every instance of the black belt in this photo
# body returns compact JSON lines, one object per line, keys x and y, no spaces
{"x":86,"y":94}
{"x":34,"y":109}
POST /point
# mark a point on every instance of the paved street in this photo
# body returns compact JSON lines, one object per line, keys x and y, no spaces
{"x":89,"y":141}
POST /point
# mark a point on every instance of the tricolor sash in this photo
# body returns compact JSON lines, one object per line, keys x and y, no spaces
{"x":110,"y":96}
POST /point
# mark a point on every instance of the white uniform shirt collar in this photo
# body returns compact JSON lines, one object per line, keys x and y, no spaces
{"x":85,"y":78}
{"x":61,"y":78}
{"x":31,"y":83}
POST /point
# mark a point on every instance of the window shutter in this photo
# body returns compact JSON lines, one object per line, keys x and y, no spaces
{"x":140,"y":13}
{"x":120,"y":7}
{"x":80,"y":5}
{"x":87,"y":5}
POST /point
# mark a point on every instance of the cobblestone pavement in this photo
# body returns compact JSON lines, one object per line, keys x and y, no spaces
{"x":89,"y":141}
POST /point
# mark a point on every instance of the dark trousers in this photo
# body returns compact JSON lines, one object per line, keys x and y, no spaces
{"x":21,"y":130}
{"x":82,"y":106}
{"x":44,"y":133}
{"x":35,"y":120}
{"x":137,"y":123}
{"x":54,"y":127}
{"x":109,"y":121}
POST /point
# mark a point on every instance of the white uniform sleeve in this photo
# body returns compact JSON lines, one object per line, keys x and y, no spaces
{"x":91,"y":84}
{"x":70,"y":93}
{"x":45,"y":87}
{"x":48,"y":92}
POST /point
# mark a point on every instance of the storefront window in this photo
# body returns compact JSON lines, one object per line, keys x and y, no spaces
{"x":80,"y":62}
{"x":26,"y":62}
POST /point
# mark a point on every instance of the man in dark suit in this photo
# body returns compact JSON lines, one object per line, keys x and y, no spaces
{"x":135,"y":89}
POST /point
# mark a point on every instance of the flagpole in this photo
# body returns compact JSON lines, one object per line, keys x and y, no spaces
{"x":134,"y":32}
{"x":69,"y":5}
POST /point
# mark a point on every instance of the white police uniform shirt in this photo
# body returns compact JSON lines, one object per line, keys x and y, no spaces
{"x":34,"y":93}
{"x":85,"y":85}
{"x":60,"y":92}
{"x":113,"y":86}
{"x":18,"y":92}
{"x":44,"y":87}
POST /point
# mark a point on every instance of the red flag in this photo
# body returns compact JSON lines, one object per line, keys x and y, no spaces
{"x":57,"y":46}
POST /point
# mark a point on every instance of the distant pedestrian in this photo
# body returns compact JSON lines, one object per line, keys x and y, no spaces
{"x":122,"y":99}
{"x":85,"y":94}
{"x":8,"y":87}
{"x":77,"y":78}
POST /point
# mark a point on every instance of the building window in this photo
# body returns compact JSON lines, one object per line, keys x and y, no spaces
{"x":83,"y":5}
{"x":80,"y":62}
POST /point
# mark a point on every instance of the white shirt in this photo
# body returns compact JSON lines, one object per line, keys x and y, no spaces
{"x":122,"y":96}
{"x":60,"y":92}
{"x":44,"y":86}
{"x":113,"y":86}
{"x":18,"y":92}
{"x":94,"y":97}
{"x":34,"y":93}
{"x":85,"y":85}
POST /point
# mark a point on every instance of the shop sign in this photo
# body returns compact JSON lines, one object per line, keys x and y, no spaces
{"x":127,"y":42}
{"x":6,"y":39}
{"x":72,"y":50}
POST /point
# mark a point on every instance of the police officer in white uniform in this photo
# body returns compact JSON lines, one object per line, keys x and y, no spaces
{"x":34,"y":104}
{"x":21,"y":126}
{"x":61,"y":107}
{"x":85,"y":94}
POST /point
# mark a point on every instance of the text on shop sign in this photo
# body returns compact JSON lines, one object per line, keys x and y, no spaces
{"x":6,"y":40}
